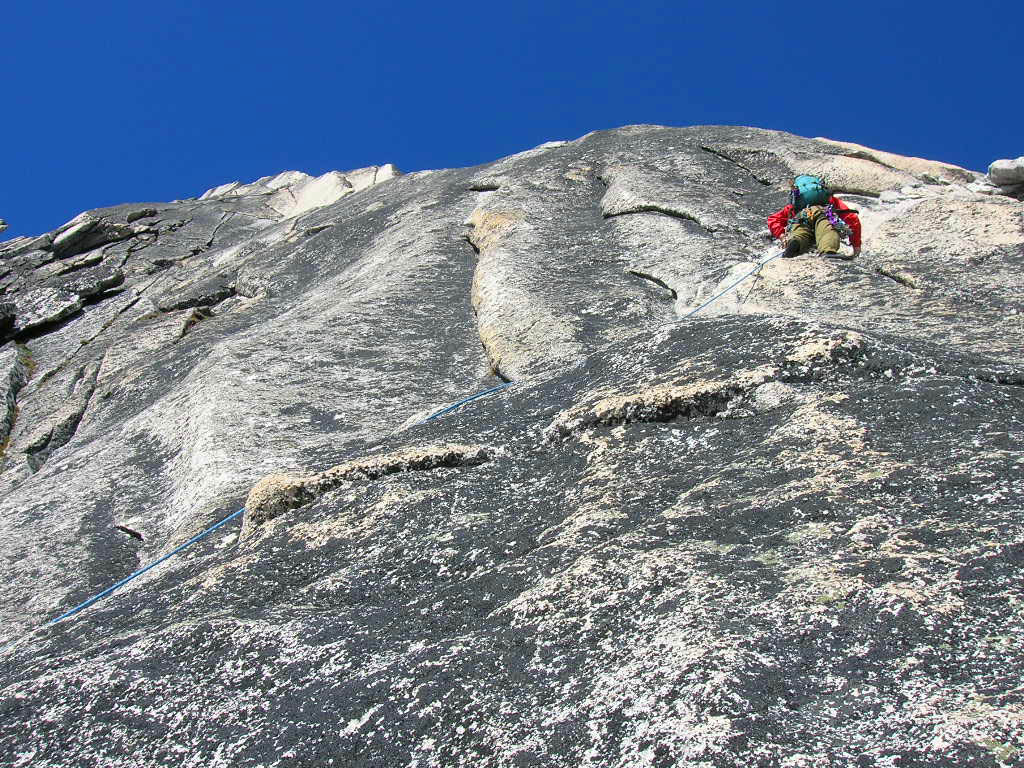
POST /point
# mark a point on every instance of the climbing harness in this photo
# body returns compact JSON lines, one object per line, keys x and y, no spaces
{"x":95,"y":598}
{"x":837,"y":223}
{"x":810,"y":216}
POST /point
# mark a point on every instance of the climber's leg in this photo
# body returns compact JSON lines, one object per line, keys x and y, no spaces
{"x":800,"y":240}
{"x":826,"y":236}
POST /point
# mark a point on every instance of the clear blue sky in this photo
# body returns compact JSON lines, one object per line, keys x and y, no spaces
{"x":110,"y":102}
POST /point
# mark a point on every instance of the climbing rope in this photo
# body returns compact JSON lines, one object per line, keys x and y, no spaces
{"x":448,"y":409}
{"x":691,"y":313}
{"x":717,"y":296}
{"x":198,"y":537}
{"x":95,"y":598}
{"x":463,"y":401}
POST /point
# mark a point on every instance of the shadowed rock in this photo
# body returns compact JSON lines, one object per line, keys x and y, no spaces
{"x":204,"y":293}
{"x":87,"y":233}
{"x":59,"y":298}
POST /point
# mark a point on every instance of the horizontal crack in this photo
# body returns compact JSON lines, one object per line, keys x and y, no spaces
{"x":133,"y":533}
{"x":207,"y":294}
{"x":82,"y":263}
{"x":653,"y":279}
{"x":661,"y":404}
{"x":897,"y":275}
{"x":652,"y":208}
{"x":812,"y":362}
{"x":728,"y":159}
{"x":145,"y":213}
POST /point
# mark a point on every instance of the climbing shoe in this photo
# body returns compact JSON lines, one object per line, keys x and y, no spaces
{"x":792,"y":249}
{"x":839,"y":256}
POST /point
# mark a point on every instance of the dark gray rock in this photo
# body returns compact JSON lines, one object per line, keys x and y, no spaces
{"x":204,"y":293}
{"x":253,"y":284}
{"x":8,"y":313}
{"x":144,"y":213}
{"x":20,"y":245}
{"x":58,"y":430}
{"x":58,"y":298}
{"x":14,"y":373}
{"x":86,"y":234}
{"x":787,"y":531}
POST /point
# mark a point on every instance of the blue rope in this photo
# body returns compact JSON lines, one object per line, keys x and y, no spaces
{"x":716,"y":297}
{"x":438,"y":414}
{"x":691,"y":313}
{"x":126,"y":579}
{"x":465,"y":400}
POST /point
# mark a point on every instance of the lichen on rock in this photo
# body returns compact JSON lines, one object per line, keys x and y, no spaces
{"x":278,"y":493}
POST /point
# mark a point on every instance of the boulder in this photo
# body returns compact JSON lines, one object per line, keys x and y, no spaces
{"x":1007,"y":173}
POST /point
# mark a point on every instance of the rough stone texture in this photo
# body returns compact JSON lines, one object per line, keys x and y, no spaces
{"x":58,"y":430}
{"x":87,"y":234}
{"x":1004,"y":177}
{"x":56,"y":299}
{"x":786,"y":532}
{"x":14,"y":373}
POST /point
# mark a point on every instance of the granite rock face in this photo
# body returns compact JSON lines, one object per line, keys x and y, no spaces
{"x":786,"y":531}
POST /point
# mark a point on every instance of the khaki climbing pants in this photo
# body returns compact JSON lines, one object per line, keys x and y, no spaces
{"x":824,"y":234}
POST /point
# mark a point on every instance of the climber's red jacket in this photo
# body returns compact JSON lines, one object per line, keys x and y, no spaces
{"x":778,"y":220}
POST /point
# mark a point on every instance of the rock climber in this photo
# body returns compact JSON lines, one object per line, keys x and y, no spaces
{"x":815,"y":216}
